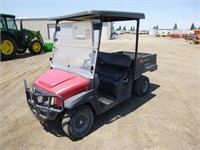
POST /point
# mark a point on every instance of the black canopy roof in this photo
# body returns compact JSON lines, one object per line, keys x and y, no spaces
{"x":105,"y":16}
{"x":7,"y":15}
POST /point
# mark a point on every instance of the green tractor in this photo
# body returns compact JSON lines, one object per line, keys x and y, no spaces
{"x":17,"y":41}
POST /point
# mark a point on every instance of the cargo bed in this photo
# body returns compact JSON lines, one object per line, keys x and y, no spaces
{"x":145,"y":62}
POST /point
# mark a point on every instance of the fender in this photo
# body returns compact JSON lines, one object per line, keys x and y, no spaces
{"x":8,"y":33}
{"x":82,"y":98}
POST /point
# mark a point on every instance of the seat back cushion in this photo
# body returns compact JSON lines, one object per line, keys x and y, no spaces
{"x":116,"y":59}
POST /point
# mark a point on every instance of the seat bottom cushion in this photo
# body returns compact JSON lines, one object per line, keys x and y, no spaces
{"x":111,"y":72}
{"x":110,"y":86}
{"x":112,"y":79}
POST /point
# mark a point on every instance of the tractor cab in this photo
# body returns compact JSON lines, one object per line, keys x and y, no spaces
{"x":84,"y":81}
{"x":8,"y":23}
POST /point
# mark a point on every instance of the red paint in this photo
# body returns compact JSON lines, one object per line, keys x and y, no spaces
{"x":62,"y":83}
{"x":175,"y":35}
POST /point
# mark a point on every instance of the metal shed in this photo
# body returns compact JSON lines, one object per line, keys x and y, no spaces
{"x":73,"y":30}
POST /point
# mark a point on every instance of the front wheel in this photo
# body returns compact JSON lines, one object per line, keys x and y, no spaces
{"x":141,"y":86}
{"x":77,"y":123}
{"x":35,"y":47}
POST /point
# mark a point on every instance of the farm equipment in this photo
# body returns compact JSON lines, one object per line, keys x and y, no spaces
{"x":164,"y":34}
{"x":17,"y":41}
{"x":190,"y":37}
{"x":83,"y":80}
{"x":193,"y":38}
{"x":197,"y":39}
{"x":175,"y":35}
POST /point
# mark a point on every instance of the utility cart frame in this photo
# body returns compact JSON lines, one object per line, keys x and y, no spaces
{"x":84,"y":82}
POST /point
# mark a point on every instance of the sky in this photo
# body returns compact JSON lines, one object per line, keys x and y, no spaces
{"x":164,"y":13}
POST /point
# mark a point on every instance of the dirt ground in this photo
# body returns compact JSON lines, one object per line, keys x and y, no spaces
{"x":168,"y":117}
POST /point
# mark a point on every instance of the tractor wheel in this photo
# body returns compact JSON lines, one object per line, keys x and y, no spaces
{"x":77,"y":123}
{"x":21,"y":51}
{"x":8,"y":47}
{"x":35,"y":47}
{"x":141,"y":86}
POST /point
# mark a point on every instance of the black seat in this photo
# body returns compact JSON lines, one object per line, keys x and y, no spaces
{"x":113,"y":70}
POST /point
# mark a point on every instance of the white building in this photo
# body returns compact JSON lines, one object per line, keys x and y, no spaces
{"x":73,"y":29}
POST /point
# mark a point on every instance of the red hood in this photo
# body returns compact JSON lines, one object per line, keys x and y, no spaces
{"x":62,"y":83}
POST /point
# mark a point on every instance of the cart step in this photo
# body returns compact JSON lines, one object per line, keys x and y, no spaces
{"x":105,"y":101}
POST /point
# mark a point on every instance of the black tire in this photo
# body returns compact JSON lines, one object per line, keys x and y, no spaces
{"x":141,"y":86}
{"x":35,"y":47}
{"x":114,"y":36}
{"x":8,"y":47}
{"x":77,"y":123}
{"x":21,"y":51}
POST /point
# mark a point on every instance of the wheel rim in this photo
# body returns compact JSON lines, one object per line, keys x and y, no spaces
{"x":145,"y":86}
{"x":36,"y":47}
{"x":81,"y":123}
{"x":7,"y":47}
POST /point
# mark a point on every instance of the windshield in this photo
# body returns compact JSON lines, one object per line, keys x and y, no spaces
{"x":11,"y":24}
{"x":75,"y":47}
{"x":2,"y":23}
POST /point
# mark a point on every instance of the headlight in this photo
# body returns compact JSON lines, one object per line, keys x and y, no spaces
{"x":40,"y":99}
{"x":52,"y":101}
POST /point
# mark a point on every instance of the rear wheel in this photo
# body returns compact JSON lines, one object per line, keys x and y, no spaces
{"x":77,"y":123}
{"x":141,"y":86}
{"x":35,"y":47}
{"x":8,"y":47}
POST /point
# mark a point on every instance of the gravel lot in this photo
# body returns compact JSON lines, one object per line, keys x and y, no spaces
{"x":168,"y":117}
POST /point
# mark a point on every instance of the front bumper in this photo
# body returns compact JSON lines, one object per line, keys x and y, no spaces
{"x":45,"y":110}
